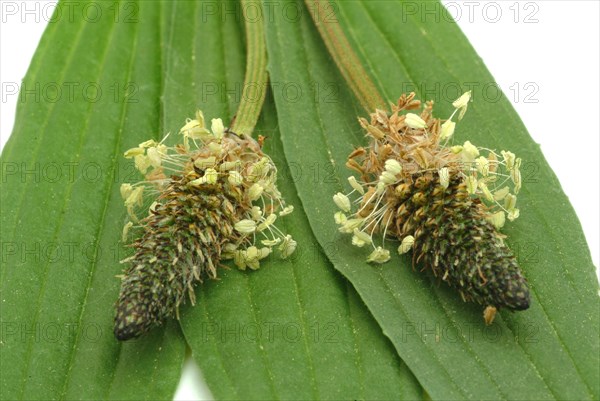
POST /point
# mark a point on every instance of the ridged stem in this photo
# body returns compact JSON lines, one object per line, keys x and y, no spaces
{"x":255,"y":81}
{"x":344,"y":56}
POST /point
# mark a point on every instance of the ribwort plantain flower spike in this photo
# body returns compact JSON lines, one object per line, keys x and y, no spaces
{"x":212,"y":197}
{"x":444,"y":203}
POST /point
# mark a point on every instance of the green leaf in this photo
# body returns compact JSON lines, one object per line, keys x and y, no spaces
{"x":547,"y":352}
{"x":61,"y":236}
{"x":293,"y":329}
{"x":62,"y":213}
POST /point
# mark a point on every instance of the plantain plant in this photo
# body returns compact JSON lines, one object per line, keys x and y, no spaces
{"x":322,"y":323}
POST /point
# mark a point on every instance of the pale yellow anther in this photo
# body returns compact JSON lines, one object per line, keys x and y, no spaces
{"x":255,"y":191}
{"x":406,"y":244}
{"x":125,"y":190}
{"x":270,"y":242}
{"x":487,"y":194}
{"x":135,"y":198}
{"x":130,"y":153}
{"x":387,"y":178}
{"x":510,"y":202}
{"x":239,"y":258}
{"x":154,"y":157}
{"x":195,"y":129}
{"x":267,"y":222}
{"x":462,"y":104}
{"x":263,"y":252}
{"x":483,"y":165}
{"x":509,"y":159}
{"x":414,"y":121}
{"x":497,"y":219}
{"x":252,"y":253}
{"x":148,"y":144}
{"x":444,"y":175}
{"x":379,"y":255}
{"x":342,"y":202}
{"x":340,"y":218}
{"x":211,"y":176}
{"x":493,"y":162}
{"x":470,"y":152}
{"x":234,"y":178}
{"x":286,"y":210}
{"x":252,"y":256}
{"x":245,"y":226}
{"x":360,"y":238}
{"x":215,"y":148}
{"x":456,"y":149}
{"x":205,"y":162}
{"x":393,"y":166}
{"x":256,"y":213}
{"x":447,"y":130}
{"x":230,"y":247}
{"x":462,"y":101}
{"x":501,"y":193}
{"x":200,"y":118}
{"x":355,"y":185}
{"x":515,"y":175}
{"x":260,"y":169}
{"x":471,"y":182}
{"x":287,"y":247}
{"x":217,"y":128}
{"x":142,"y":163}
{"x":350,"y":224}
{"x":126,"y":230}
{"x":226,"y":166}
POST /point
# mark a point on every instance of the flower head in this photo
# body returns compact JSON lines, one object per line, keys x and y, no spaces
{"x":214,"y":197}
{"x":432,"y":196}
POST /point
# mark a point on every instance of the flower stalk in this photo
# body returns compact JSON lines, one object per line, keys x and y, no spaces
{"x":344,"y":56}
{"x":256,"y":79}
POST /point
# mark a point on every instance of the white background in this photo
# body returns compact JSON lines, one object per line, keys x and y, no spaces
{"x":550,"y":46}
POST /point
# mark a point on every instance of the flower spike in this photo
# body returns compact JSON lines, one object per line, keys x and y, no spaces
{"x":213,"y":197}
{"x":444,"y":203}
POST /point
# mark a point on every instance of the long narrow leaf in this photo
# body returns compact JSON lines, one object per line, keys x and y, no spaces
{"x":549,"y":351}
{"x":62,"y":214}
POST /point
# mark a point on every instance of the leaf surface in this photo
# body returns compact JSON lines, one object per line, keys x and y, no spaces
{"x":547,"y":352}
{"x":95,"y":87}
{"x":294,"y":329}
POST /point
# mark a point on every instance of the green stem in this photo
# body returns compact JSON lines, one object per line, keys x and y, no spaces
{"x":344,"y":56}
{"x":255,"y":81}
